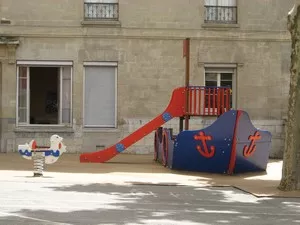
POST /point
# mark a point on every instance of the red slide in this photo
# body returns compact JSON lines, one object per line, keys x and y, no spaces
{"x":175,"y":108}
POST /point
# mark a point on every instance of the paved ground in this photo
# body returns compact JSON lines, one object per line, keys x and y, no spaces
{"x":45,"y":201}
{"x":134,"y":191}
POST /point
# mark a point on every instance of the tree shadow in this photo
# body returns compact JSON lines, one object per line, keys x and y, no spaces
{"x":95,"y":204}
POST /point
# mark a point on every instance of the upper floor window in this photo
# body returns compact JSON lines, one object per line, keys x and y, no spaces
{"x":101,"y":9}
{"x":220,"y":11}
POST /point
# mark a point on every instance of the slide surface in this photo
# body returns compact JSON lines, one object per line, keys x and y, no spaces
{"x":175,"y":108}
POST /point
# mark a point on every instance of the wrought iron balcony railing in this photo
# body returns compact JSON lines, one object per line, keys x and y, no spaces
{"x":99,"y":11}
{"x":220,"y":14}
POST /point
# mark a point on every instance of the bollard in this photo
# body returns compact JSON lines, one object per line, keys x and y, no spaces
{"x":42,"y":155}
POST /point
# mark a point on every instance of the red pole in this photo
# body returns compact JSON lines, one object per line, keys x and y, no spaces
{"x":218,"y":102}
{"x":187,"y":79}
{"x":214,"y":101}
{"x":209,"y":106}
{"x":228,"y":99}
{"x":190,"y":101}
{"x":195,"y":102}
{"x":200,"y":95}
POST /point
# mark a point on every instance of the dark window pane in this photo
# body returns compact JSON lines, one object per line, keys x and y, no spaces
{"x":226,"y":76}
{"x":211,"y":76}
{"x":211,"y":83}
{"x":226,"y":83}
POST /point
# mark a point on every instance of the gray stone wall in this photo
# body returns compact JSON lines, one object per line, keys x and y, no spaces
{"x":146,"y":145}
{"x":171,"y":16}
{"x":147,"y":44}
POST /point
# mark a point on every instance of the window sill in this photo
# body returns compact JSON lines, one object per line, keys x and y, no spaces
{"x":100,"y":130}
{"x":103,"y":23}
{"x":220,"y":25}
{"x":43,"y":129}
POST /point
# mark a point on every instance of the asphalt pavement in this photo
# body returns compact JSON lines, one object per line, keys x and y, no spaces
{"x":135,"y":190}
{"x":26,"y":200}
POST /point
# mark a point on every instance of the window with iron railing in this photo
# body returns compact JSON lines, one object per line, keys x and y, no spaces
{"x":220,"y":11}
{"x":101,"y":10}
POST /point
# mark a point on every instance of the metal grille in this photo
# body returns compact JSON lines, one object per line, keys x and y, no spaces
{"x":96,"y":11}
{"x":221,"y":14}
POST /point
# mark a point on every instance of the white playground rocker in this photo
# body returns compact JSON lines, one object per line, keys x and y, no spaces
{"x":42,"y":155}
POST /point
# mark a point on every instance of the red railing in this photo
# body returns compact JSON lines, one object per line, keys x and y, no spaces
{"x":208,"y":101}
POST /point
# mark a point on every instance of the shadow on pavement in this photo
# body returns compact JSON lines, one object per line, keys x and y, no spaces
{"x":95,"y":204}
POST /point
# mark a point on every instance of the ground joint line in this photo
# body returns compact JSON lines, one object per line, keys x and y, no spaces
{"x":31,"y":218}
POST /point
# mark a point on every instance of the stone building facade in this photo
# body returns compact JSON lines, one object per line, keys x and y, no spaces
{"x":93,"y":71}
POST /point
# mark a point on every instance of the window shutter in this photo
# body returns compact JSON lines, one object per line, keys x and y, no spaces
{"x":99,"y":107}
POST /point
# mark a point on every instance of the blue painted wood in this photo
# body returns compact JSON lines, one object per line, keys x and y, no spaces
{"x":187,"y":157}
{"x":183,"y":152}
{"x":259,"y":159}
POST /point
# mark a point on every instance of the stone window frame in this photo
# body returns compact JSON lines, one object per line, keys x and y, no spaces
{"x":28,"y":64}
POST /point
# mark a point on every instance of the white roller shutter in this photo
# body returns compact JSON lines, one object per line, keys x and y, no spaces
{"x":100,"y":97}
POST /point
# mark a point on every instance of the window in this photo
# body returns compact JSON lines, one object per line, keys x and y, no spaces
{"x":44,"y":93}
{"x":101,"y":9}
{"x":220,"y":11}
{"x":220,"y":77}
{"x":100,"y":94}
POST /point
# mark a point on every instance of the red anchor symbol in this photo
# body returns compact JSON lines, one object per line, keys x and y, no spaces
{"x":203,"y":138}
{"x":249,"y":150}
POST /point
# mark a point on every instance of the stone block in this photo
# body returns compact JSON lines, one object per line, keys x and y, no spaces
{"x":277,"y":148}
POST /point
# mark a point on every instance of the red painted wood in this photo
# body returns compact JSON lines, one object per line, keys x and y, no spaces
{"x":234,"y":141}
{"x":195,"y":102}
{"x":228,"y":100}
{"x":165,"y":148}
{"x":156,"y":145}
{"x":208,"y":108}
{"x":200,"y":96}
{"x":34,"y":145}
{"x":175,"y":108}
{"x":205,"y":101}
{"x":205,"y":152}
{"x":191,"y":91}
{"x":214,"y":100}
{"x":249,"y":150}
{"x":218,"y":103}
